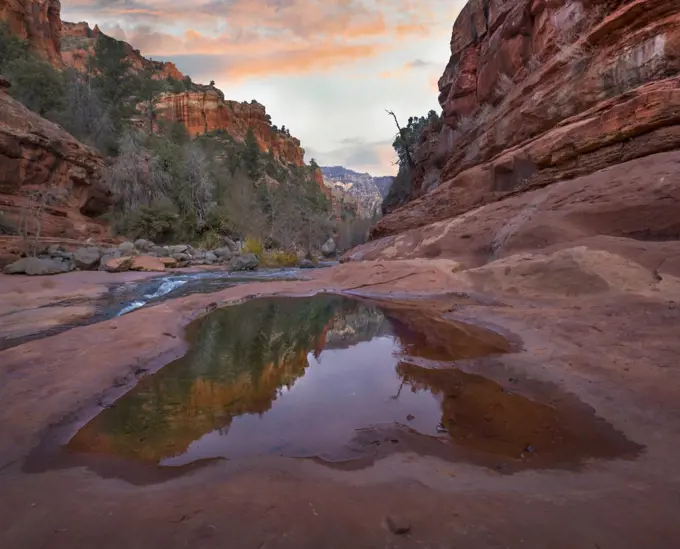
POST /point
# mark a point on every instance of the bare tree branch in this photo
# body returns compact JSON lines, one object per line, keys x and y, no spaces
{"x":404,"y":141}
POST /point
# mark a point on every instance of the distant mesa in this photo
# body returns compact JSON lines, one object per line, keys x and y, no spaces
{"x":365,"y":190}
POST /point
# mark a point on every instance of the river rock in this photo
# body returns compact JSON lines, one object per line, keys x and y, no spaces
{"x":245,"y":262}
{"x":86,"y":258}
{"x":229,"y":243}
{"x":55,"y":249}
{"x":224,"y":253}
{"x":126,"y":248}
{"x":329,"y":248}
{"x":168,"y":262}
{"x":177,"y":249}
{"x":398,"y":525}
{"x":210,"y":256}
{"x":116,"y":264}
{"x":36,"y":266}
{"x":147,"y":263}
{"x":144,"y":245}
{"x":306,"y":264}
{"x":160,"y":251}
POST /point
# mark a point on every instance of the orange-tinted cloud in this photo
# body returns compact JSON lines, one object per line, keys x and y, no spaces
{"x":273,"y":36}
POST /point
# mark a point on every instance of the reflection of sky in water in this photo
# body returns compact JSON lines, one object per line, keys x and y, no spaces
{"x":345,"y":390}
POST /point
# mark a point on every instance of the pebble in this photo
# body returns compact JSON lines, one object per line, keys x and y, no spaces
{"x":398,"y":525}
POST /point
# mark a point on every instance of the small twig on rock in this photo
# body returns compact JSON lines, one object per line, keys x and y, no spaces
{"x":383,"y":282}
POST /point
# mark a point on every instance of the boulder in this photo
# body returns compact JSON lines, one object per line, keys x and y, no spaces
{"x":229,"y":243}
{"x":245,"y":262}
{"x":196,"y":254}
{"x":36,"y":266}
{"x":306,"y":264}
{"x":147,"y":263}
{"x":329,"y":248}
{"x":160,"y":251}
{"x":55,"y":249}
{"x":168,"y":262}
{"x":224,"y":253}
{"x":144,"y":245}
{"x":116,"y":264}
{"x":210,"y":256}
{"x":87,"y":259}
{"x":126,"y":248}
{"x":177,"y":249}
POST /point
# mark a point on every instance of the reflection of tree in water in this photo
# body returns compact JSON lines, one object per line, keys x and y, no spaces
{"x":240,"y":359}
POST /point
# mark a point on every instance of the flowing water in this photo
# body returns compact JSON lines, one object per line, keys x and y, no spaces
{"x":125,"y":298}
{"x":341,"y":381}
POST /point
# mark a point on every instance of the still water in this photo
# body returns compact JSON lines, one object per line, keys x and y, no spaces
{"x":334,"y":378}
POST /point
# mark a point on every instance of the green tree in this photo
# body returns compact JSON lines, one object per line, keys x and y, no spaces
{"x":251,"y":155}
{"x":85,"y":115}
{"x":35,"y":83}
{"x":149,"y":90}
{"x":114,"y":80}
{"x":11,"y":46}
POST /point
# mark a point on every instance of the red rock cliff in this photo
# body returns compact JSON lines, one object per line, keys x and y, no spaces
{"x":538,"y":91}
{"x":206,"y":111}
{"x":37,"y":155}
{"x":78,"y":42}
{"x":38,"y":22}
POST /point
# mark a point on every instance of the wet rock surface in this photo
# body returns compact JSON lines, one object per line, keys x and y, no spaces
{"x":608,"y":351}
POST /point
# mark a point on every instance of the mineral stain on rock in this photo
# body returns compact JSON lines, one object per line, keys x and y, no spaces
{"x":341,"y":381}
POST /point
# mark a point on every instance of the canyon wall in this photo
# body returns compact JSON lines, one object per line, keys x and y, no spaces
{"x":201,"y":110}
{"x":205,"y":110}
{"x":38,"y":22}
{"x":43,"y":166}
{"x":78,"y":42}
{"x":541,"y":91}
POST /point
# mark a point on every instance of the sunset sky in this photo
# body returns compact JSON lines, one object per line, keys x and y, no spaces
{"x":326,"y":69}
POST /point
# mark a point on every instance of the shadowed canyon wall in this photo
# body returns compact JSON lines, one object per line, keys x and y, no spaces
{"x":541,"y":91}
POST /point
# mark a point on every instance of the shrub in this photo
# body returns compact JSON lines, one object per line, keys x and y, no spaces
{"x":209,"y":240}
{"x":254,"y":246}
{"x":155,"y":223}
{"x":279,"y":258}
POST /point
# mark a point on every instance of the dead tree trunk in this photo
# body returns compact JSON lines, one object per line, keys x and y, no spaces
{"x":404,"y":142}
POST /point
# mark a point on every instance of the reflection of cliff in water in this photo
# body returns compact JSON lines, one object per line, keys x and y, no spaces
{"x":241,"y":359}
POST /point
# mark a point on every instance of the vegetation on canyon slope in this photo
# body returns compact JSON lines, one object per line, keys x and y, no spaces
{"x":169,"y":187}
{"x":405,"y":144}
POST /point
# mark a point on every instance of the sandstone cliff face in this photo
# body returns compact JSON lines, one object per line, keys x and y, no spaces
{"x":78,"y":42}
{"x":37,"y":155}
{"x":539,"y":91}
{"x":206,"y":110}
{"x":38,"y":21}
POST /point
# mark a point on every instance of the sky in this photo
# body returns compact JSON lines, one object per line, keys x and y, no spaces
{"x":325,"y":69}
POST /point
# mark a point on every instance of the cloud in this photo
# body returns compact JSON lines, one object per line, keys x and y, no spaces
{"x":416,"y":64}
{"x":376,"y":158}
{"x":264,"y":36}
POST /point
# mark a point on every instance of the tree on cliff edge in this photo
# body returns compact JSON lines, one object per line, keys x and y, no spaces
{"x":251,"y":155}
{"x":148,"y":92}
{"x":114,"y":80}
